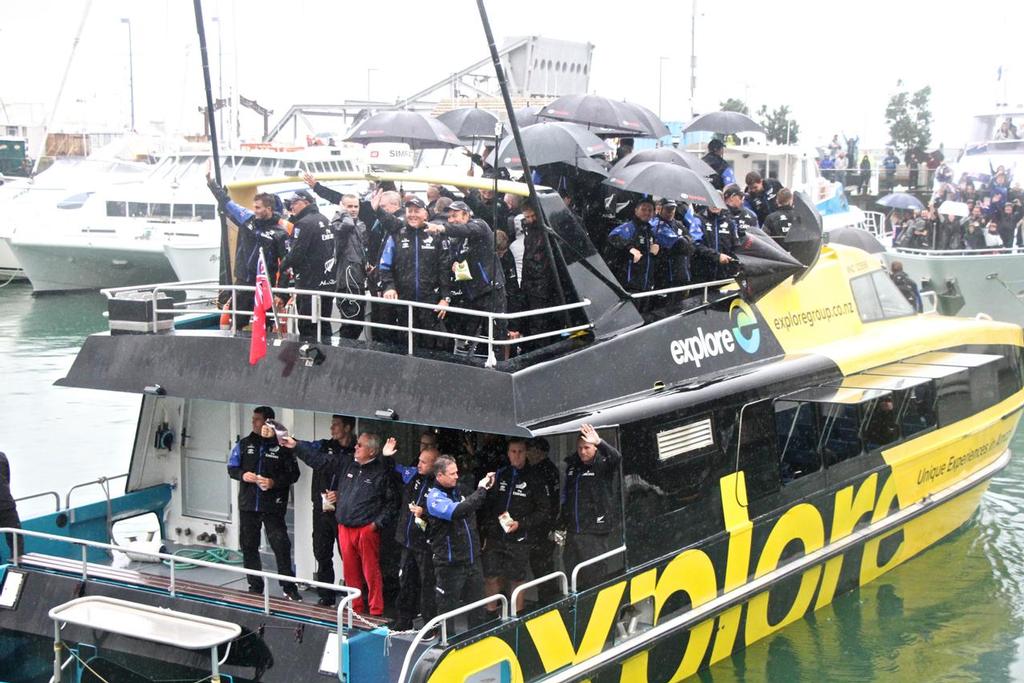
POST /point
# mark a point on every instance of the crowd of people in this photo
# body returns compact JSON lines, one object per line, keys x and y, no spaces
{"x":484,"y":251}
{"x":992,"y":218}
{"x":469,"y":517}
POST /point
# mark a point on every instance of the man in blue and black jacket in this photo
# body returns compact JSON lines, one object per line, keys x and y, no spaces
{"x":416,"y":575}
{"x":265,"y":471}
{"x":454,"y":539}
{"x":258,"y":229}
{"x":633,"y":252}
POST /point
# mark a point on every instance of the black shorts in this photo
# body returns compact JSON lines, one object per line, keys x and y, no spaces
{"x":510,"y":561}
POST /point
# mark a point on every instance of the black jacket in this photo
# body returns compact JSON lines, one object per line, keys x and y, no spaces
{"x":312,"y":257}
{"x":484,"y":209}
{"x":451,"y":524}
{"x":350,"y":239}
{"x":765,"y":202}
{"x":366,"y":493}
{"x":414,"y":491}
{"x":538,"y":281}
{"x":633,"y":234}
{"x":417,"y":265}
{"x":589,"y":505}
{"x":266,"y":458}
{"x":6,"y":499}
{"x":547,"y":473}
{"x":719,"y":165}
{"x":523,"y":494}
{"x":476,"y":247}
{"x":779,"y":223}
{"x":325,"y":477}
{"x":253,"y":234}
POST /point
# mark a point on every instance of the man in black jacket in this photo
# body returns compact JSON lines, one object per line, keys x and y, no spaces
{"x":265,"y":470}
{"x":762,"y":195}
{"x":589,"y":506}
{"x":542,"y":547}
{"x":416,"y":592}
{"x":780,"y":222}
{"x":258,"y":229}
{"x":337,"y":449}
{"x":454,"y":540}
{"x":537,"y":287}
{"x":715,"y":158}
{"x":312,"y":260}
{"x":517,"y":510}
{"x":474,"y":242}
{"x":365,"y":502}
{"x":8,"y":509}
{"x":416,"y":266}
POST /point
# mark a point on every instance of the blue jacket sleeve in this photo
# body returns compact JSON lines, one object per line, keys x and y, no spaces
{"x":387,"y":258}
{"x":238,"y":214}
{"x":441,"y":506}
{"x":622,"y":236}
{"x":310,"y":453}
{"x":406,"y":472}
{"x":235,"y":463}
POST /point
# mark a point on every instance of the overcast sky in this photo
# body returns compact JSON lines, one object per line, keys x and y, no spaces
{"x":835,"y":64}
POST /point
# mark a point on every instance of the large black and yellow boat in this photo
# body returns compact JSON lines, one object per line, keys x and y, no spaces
{"x":782,"y":442}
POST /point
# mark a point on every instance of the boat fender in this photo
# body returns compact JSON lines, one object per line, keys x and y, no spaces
{"x":225,"y":317}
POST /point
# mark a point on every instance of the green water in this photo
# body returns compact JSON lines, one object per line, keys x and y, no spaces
{"x":954,"y":613}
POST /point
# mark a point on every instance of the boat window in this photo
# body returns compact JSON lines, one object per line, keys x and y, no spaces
{"x":182,"y":211}
{"x":160,"y":210}
{"x":758,"y":454}
{"x":840,"y":431}
{"x":138,"y":209}
{"x":206,"y":211}
{"x":247,"y":168}
{"x":267,"y":166}
{"x":951,"y":398}
{"x":75,"y":201}
{"x":984,"y":369}
{"x":878,"y":298}
{"x":117,"y":209}
{"x":797,"y":433}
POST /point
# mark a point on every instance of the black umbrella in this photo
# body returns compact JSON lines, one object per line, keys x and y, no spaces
{"x":763,"y":262}
{"x":855,"y":237}
{"x":723,"y":122}
{"x":414,"y":129}
{"x":804,"y":239}
{"x":900,"y":200}
{"x":665,"y":180}
{"x":527,"y":116}
{"x":653,"y":126}
{"x":600,"y":114}
{"x":549,"y":143}
{"x":669,"y":155}
{"x":470,"y":123}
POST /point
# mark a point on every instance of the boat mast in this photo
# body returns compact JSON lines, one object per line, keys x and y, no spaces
{"x":225,"y":257}
{"x":60,"y":90}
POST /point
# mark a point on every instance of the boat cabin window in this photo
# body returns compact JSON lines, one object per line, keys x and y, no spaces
{"x":983,"y":370}
{"x":160,"y":210}
{"x":267,"y":166}
{"x":182,"y":211}
{"x":138,"y":209}
{"x":911,"y":402}
{"x":878,"y":298}
{"x":117,"y":209}
{"x":75,"y":201}
{"x":206,"y":211}
{"x":757,"y":455}
{"x":950,"y":391}
{"x":797,"y":432}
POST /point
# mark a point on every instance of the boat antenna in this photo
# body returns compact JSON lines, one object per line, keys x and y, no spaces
{"x":527,"y":171}
{"x":225,"y":255}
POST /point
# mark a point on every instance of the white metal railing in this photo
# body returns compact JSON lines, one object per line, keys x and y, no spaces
{"x":592,"y":561}
{"x":704,"y":286}
{"x":877,"y":225}
{"x":409,"y":328}
{"x":103,"y":482}
{"x":43,"y":494}
{"x":442,"y":620}
{"x":929,"y":301}
{"x":523,"y":587}
{"x":984,"y":251}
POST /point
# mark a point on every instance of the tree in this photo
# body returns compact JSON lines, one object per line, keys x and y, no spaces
{"x":775,"y":125}
{"x":909,"y":118}
{"x":733,"y":104}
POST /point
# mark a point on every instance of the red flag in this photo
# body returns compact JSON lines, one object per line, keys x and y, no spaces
{"x":263,"y":301}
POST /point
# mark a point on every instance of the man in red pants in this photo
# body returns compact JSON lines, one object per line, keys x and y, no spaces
{"x":366,"y":501}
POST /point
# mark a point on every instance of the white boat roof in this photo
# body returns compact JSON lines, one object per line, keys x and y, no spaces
{"x":152,"y":624}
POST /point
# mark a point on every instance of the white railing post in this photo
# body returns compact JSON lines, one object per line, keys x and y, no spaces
{"x":234,"y":310}
{"x":409,"y":322}
{"x":491,"y":359}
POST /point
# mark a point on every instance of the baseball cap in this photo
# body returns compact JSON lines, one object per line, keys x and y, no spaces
{"x":731,"y":191}
{"x":300,"y":194}
{"x":459,"y":206}
{"x":667,"y":202}
{"x":416,"y":201}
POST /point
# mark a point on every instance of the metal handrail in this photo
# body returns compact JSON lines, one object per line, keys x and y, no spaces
{"x":929,"y":302}
{"x":172,"y":560}
{"x":536,"y":582}
{"x":104,"y":482}
{"x":56,"y":497}
{"x":684,"y":288}
{"x":442,"y":619}
{"x":983,"y":251}
{"x":594,"y":560}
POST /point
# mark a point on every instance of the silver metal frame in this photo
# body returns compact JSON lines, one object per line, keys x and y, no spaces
{"x":104,"y":483}
{"x":536,"y":582}
{"x":594,"y":560}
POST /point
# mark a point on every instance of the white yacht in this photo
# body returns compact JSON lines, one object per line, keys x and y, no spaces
{"x":116,"y":236}
{"x":987,"y":281}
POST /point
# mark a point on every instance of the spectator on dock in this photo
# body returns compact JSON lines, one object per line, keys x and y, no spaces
{"x":890,"y":163}
{"x":864,"y":185}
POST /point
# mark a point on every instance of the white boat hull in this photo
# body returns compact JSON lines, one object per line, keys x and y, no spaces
{"x":61,"y":268}
{"x":194,"y":261}
{"x":9,"y":266}
{"x":990,"y":283}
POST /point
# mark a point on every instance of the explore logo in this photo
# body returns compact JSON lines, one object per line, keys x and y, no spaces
{"x":743,"y":317}
{"x":702,"y":345}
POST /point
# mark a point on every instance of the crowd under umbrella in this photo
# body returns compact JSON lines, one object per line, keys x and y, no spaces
{"x":725,"y":122}
{"x":669,"y":155}
{"x":855,"y":237}
{"x":901,"y":200}
{"x":601,"y":115}
{"x":661,"y":179}
{"x":549,"y":143}
{"x":471,"y":123}
{"x":417,"y":130}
